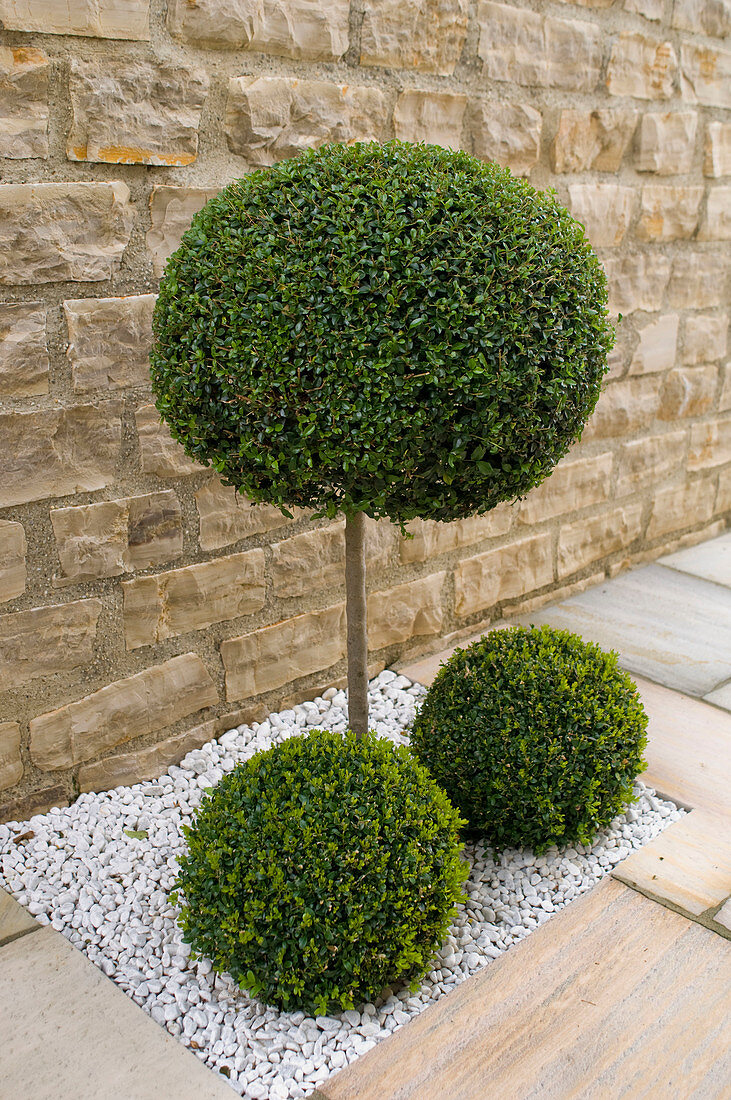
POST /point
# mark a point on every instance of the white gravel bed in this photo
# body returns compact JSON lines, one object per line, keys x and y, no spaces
{"x":80,"y":870}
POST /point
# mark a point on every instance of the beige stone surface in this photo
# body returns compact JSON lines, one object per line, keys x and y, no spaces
{"x":23,"y":102}
{"x":139,"y":705}
{"x":431,"y":538}
{"x":513,"y":570}
{"x":712,"y":17}
{"x":405,"y":611}
{"x":309,"y":561}
{"x":53,"y":232}
{"x":23,"y":350}
{"x":680,"y":506}
{"x":138,"y":113}
{"x":641,"y":66}
{"x":433,"y":117}
{"x":716,"y":222}
{"x":508,"y":133}
{"x":604,"y":209}
{"x":710,"y":443}
{"x":668,"y":213}
{"x":171,"y":212}
{"x":128,"y":19}
{"x":38,"y":801}
{"x":226,"y":516}
{"x":699,"y":280}
{"x":688,"y":391}
{"x":12,"y":560}
{"x":269,"y":118}
{"x":571,"y":486}
{"x":666,"y":142}
{"x":657,"y":346}
{"x":15,"y":921}
{"x":637,"y":281}
{"x":109,"y":341}
{"x":723,"y":500}
{"x":723,"y":916}
{"x":705,"y":74}
{"x":72,"y":450}
{"x":649,"y":461}
{"x":427,"y":35}
{"x":591,"y":539}
{"x":169,"y":604}
{"x":159,"y":453}
{"x":116,"y":536}
{"x":651,"y":9}
{"x":724,"y":401}
{"x":595,"y":140}
{"x":717,"y":149}
{"x":11,"y":765}
{"x":47,"y":640}
{"x":305,"y":30}
{"x":705,"y":338}
{"x":126,"y":768}
{"x":527,"y":48}
{"x":625,"y":408}
{"x":276,"y":655}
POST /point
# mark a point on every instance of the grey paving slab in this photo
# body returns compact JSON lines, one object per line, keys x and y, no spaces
{"x":711,"y":561}
{"x":672,"y":628}
{"x":15,"y":921}
{"x":68,"y":1033}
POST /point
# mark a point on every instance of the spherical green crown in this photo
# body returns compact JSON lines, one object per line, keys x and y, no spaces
{"x":400,"y":329}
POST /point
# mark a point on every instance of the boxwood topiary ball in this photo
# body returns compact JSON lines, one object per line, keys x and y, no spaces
{"x":535,"y":735}
{"x":398,"y":329}
{"x":322,"y":870}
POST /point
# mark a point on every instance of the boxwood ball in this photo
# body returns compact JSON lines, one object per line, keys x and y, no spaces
{"x":398,"y":329}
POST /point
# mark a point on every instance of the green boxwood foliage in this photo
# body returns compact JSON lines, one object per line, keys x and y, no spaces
{"x":401,"y":330}
{"x":535,"y":735}
{"x":322,"y":870}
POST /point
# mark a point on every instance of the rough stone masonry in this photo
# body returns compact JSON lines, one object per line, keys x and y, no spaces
{"x":144,"y":606}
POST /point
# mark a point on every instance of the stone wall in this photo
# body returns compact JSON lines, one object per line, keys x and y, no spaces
{"x":144,"y":608}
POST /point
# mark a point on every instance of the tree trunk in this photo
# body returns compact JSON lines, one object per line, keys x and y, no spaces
{"x":355,"y":603}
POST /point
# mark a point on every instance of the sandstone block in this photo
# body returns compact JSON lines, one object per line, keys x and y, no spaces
{"x":625,"y":408}
{"x":666,"y":142}
{"x":641,"y":66}
{"x":276,"y":655}
{"x":160,"y":454}
{"x":724,"y":401}
{"x":23,"y":350}
{"x":171,"y":212}
{"x":657,"y":346}
{"x":316,"y":558}
{"x":12,"y":560}
{"x":271,"y":118}
{"x":117,"y":536}
{"x":54,"y":232}
{"x":39,"y":801}
{"x":136,"y":113}
{"x":433,"y":117}
{"x":58,"y":451}
{"x":226,"y":516}
{"x":23,"y":103}
{"x":705,"y":338}
{"x":668,"y":213}
{"x":592,"y":140}
{"x":604,"y":209}
{"x":192,"y":598}
{"x":648,"y":461}
{"x":650,"y":9}
{"x":414,"y":34}
{"x":590,"y":3}
{"x":699,"y":280}
{"x":305,"y":30}
{"x":513,"y":570}
{"x":406,"y":611}
{"x":717,"y":150}
{"x":11,"y":766}
{"x":710,"y":444}
{"x":508,"y":133}
{"x":680,"y":506}
{"x":527,"y":48}
{"x":589,"y":540}
{"x":46,"y":640}
{"x":571,"y":486}
{"x":712,"y":17}
{"x":716,"y":223}
{"x":688,"y":391}
{"x":91,"y":18}
{"x":110,"y":341}
{"x":705,"y":75}
{"x":431,"y":538}
{"x":129,"y":708}
{"x":149,"y":763}
{"x":723,"y":498}
{"x":637,"y":281}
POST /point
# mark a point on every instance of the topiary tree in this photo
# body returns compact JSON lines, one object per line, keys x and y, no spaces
{"x":394,"y":330}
